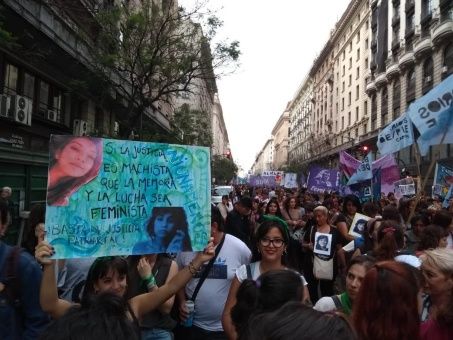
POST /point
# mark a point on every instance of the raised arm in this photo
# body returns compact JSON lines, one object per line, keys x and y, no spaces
{"x":48,"y":295}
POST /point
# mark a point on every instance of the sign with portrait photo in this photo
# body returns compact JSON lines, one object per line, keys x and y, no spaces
{"x":323,"y":244}
{"x":113,"y":197}
{"x":358,"y":224}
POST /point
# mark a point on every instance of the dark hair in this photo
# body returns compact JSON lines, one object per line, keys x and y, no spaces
{"x":390,"y":238}
{"x":66,"y":186}
{"x":288,"y":199}
{"x":390,"y":212}
{"x":4,"y":213}
{"x":246,"y":202}
{"x":37,"y":215}
{"x":99,"y":269}
{"x":269,"y":292}
{"x":354,"y":200}
{"x":225,"y":197}
{"x":442,"y":218}
{"x":273,"y":200}
{"x":419,"y":217}
{"x":386,"y":306}
{"x":370,"y":209}
{"x":322,"y":237}
{"x":430,"y":237}
{"x":180,"y":223}
{"x":216,"y":217}
{"x":261,"y":232}
{"x":106,"y":317}
{"x":362,"y":260}
{"x":295,"y":321}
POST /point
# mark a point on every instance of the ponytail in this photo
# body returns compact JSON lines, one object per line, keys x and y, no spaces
{"x":390,"y":239}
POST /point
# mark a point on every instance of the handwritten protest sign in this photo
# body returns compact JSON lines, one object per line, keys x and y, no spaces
{"x":396,"y":136}
{"x":113,"y":197}
{"x":358,"y":224}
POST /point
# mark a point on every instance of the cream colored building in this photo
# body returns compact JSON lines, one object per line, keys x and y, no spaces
{"x":265,"y":158}
{"x":280,"y":133}
{"x":220,"y":141}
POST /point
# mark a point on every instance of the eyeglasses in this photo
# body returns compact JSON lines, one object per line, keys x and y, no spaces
{"x":277,"y":242}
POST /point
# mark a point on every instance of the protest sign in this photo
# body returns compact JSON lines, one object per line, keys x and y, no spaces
{"x":262,"y":181}
{"x":323,"y":243}
{"x":113,"y":197}
{"x":363,"y":172}
{"x":363,"y":190}
{"x":443,"y":179}
{"x":290,"y":180}
{"x":431,"y":114}
{"x":448,"y":197}
{"x":358,"y":224}
{"x":396,"y":136}
{"x":404,"y":187}
{"x":321,"y":180}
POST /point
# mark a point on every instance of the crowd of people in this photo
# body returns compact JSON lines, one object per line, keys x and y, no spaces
{"x":280,"y":264}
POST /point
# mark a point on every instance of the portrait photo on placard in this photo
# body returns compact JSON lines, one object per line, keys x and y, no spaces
{"x":358,"y":224}
{"x":323,"y":244}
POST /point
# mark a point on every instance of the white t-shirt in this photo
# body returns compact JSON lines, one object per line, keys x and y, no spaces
{"x":241,"y":272}
{"x":211,"y":298}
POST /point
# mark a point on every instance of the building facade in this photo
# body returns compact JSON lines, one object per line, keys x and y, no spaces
{"x":280,"y":133}
{"x":220,"y":141}
{"x":265,"y":158}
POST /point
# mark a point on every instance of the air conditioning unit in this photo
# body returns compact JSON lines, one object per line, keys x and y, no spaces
{"x":444,"y":69}
{"x":52,"y":115}
{"x":21,"y":109}
{"x":4,"y":105}
{"x":80,"y":127}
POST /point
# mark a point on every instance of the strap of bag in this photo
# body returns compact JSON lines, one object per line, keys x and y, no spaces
{"x":206,"y":270}
{"x":249,"y":271}
{"x":337,"y":302}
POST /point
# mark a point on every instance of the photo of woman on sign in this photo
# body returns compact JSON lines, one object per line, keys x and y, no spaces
{"x":168,"y":230}
{"x":74,"y":161}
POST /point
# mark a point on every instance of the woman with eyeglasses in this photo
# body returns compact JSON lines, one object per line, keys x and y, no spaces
{"x":271,"y":241}
{"x":110,"y":274}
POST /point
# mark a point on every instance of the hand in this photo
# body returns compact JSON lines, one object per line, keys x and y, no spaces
{"x":43,"y":252}
{"x":144,"y":268}
{"x":183,"y":312}
{"x":207,"y":254}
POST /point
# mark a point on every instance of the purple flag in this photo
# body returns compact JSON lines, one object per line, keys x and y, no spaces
{"x":320,"y":180}
{"x":262,"y":181}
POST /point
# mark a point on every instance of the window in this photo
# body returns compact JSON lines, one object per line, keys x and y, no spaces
{"x":343,"y":87}
{"x":342,"y":104}
{"x":367,"y":23}
{"x":344,"y":55}
{"x":366,"y":63}
{"x":350,"y":80}
{"x":344,"y":70}
{"x":384,"y":105}
{"x":427,"y":7}
{"x":358,"y":36}
{"x":356,"y":113}
{"x":337,"y":91}
{"x":349,"y":118}
{"x":366,"y":43}
{"x":342,"y":123}
{"x":349,"y":98}
{"x":365,"y":128}
{"x":357,"y":91}
{"x":29,"y":85}
{"x":373,"y":112}
{"x":336,"y":108}
{"x":410,"y":85}
{"x":428,"y":75}
{"x":396,"y":94}
{"x":448,"y":60}
{"x":357,"y":72}
{"x":11,"y":78}
{"x":350,"y":46}
{"x":410,"y":22}
{"x":43,"y":96}
{"x":350,"y":63}
{"x":365,"y":107}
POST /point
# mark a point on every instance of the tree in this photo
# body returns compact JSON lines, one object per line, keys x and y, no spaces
{"x":152,"y":50}
{"x":193,"y":125}
{"x":223,"y":169}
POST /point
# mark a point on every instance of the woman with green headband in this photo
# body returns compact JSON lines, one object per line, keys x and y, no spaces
{"x":271,"y":241}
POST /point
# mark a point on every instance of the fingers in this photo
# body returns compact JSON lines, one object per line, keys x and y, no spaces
{"x":43,"y":252}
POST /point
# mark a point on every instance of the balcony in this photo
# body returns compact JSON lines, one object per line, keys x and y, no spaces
{"x":422,"y":47}
{"x":392,"y":71}
{"x":406,"y":60}
{"x":442,"y":31}
{"x":380,"y":80}
{"x":370,"y":87}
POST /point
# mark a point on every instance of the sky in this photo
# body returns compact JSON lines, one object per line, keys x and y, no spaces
{"x":279,"y":41}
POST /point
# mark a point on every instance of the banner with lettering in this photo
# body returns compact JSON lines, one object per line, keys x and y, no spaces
{"x":396,"y":136}
{"x":321,"y":180}
{"x":262,"y":181}
{"x":114,"y":197}
{"x":363,"y":172}
{"x":432,"y":115}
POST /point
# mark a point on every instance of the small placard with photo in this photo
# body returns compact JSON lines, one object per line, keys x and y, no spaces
{"x":323,"y":244}
{"x":358,"y":224}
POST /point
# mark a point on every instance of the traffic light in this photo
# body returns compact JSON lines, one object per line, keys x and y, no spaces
{"x":228,"y":154}
{"x":365,"y":149}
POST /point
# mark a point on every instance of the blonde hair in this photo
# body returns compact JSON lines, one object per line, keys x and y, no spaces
{"x":440,"y":258}
{"x":322,"y":209}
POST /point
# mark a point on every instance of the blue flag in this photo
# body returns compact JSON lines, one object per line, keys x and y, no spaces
{"x":364,"y":171}
{"x":396,"y":136}
{"x":432,"y":115}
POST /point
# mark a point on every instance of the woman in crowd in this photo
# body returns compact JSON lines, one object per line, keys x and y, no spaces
{"x":437,"y":270}
{"x":157,"y":324}
{"x":386,"y":306}
{"x":268,"y":293}
{"x":74,"y":161}
{"x":292,"y":213}
{"x":405,"y":206}
{"x":351,"y":206}
{"x":271,"y":239}
{"x":355,"y":274}
{"x":313,"y":260}
{"x":432,"y":237}
{"x":418,"y":223}
{"x":168,"y":231}
{"x":109,"y":274}
{"x":295,"y":321}
{"x":273,"y":208}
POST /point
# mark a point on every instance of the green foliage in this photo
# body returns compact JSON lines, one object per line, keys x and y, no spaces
{"x":223,"y":169}
{"x":195,"y":126}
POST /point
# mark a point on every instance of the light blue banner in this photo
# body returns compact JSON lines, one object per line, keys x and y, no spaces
{"x":432,"y":115}
{"x":364,"y":172}
{"x":396,"y":136}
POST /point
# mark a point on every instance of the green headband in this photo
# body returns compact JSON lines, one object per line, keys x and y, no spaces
{"x":272,"y":218}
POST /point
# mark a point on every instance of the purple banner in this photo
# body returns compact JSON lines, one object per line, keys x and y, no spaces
{"x":262,"y":181}
{"x":320,"y":180}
